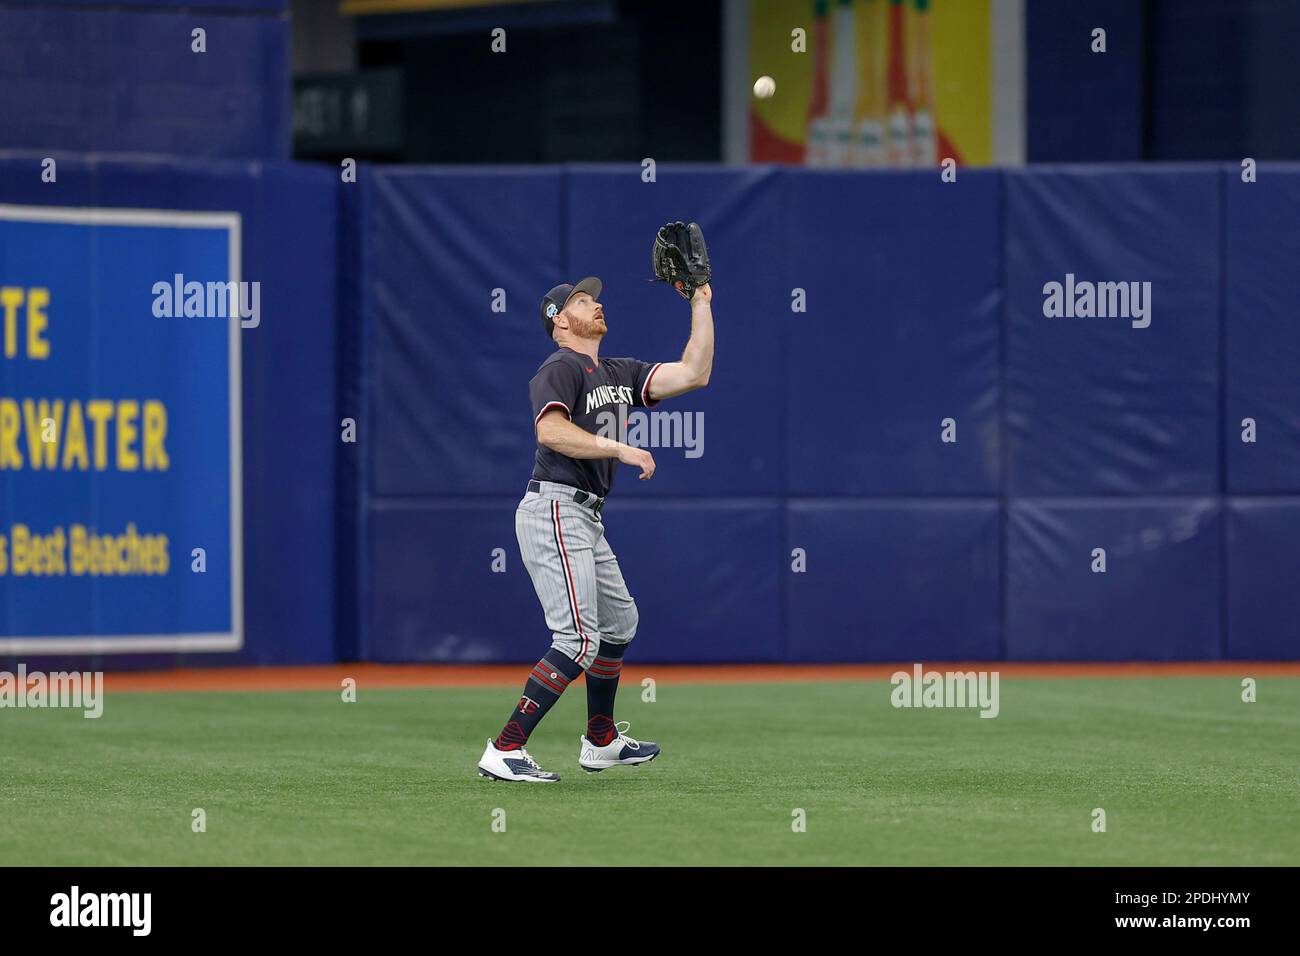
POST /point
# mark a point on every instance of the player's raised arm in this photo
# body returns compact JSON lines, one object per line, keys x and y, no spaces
{"x":680,"y":258}
{"x":696,"y":365}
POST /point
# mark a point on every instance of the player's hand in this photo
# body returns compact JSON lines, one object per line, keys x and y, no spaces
{"x":639,"y":457}
{"x":703,"y":294}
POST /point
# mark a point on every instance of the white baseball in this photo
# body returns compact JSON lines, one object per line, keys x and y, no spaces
{"x":764,"y":87}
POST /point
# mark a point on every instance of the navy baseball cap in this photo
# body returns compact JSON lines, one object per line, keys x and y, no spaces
{"x":555,"y":300}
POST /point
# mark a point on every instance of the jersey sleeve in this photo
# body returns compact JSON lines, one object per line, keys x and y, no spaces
{"x":638,"y":374}
{"x":556,"y":385}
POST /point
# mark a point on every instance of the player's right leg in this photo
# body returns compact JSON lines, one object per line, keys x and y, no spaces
{"x":607,"y":743}
{"x":556,"y":541}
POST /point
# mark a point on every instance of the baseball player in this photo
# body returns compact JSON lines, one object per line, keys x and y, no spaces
{"x":558,"y":523}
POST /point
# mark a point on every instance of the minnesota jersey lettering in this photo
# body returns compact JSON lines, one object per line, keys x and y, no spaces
{"x":608,"y":394}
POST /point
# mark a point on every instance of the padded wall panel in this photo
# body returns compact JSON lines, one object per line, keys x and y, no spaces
{"x":1262,"y":334}
{"x":1158,"y":599}
{"x":703,"y":576}
{"x":435,"y":596}
{"x":893,"y":581}
{"x":1263,"y":558}
{"x":901,"y":332}
{"x":1095,"y":405}
{"x":450,"y":410}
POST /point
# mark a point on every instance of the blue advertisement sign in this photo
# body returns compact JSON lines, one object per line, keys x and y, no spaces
{"x":120,"y":520}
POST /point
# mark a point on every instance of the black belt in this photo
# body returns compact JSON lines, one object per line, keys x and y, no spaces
{"x":584,"y":498}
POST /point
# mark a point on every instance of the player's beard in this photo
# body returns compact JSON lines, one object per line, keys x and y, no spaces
{"x":588,"y":328}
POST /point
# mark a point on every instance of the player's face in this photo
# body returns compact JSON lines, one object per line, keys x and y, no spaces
{"x":586,"y":317}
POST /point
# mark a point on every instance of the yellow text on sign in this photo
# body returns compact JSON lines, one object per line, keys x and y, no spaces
{"x":32,"y":303}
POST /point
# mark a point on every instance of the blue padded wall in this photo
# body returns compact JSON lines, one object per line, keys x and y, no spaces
{"x":451,"y":412}
{"x":707,"y":577}
{"x":789,"y":412}
{"x":1261,"y":331}
{"x":1263,"y":601}
{"x":901,"y":273}
{"x":925,"y":301}
{"x":1094,"y":405}
{"x":1158,"y":599}
{"x":701,"y":606}
{"x":436,"y":597}
{"x":893,"y":581}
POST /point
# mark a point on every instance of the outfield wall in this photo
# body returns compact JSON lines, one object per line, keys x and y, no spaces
{"x":251,"y":432}
{"x":823,"y":429}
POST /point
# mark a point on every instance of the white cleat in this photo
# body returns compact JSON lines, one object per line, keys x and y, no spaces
{"x":513,"y":765}
{"x":621,"y":751}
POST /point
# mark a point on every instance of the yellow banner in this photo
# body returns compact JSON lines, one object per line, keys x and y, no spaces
{"x":863,"y":83}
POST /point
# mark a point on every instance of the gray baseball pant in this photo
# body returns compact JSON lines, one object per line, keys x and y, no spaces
{"x":574,"y":571}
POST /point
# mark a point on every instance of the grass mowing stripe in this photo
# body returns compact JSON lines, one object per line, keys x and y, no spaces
{"x":1186,"y":772}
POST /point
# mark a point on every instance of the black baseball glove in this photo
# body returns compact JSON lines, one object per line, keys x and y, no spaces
{"x":680,"y":257}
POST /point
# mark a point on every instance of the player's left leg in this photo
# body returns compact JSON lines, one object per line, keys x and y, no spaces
{"x":606,"y":743}
{"x":556,"y":540}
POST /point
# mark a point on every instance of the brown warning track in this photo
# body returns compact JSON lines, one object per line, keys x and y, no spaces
{"x":330,"y":677}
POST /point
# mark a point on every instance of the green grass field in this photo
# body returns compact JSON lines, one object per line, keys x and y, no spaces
{"x":1186,"y":772}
